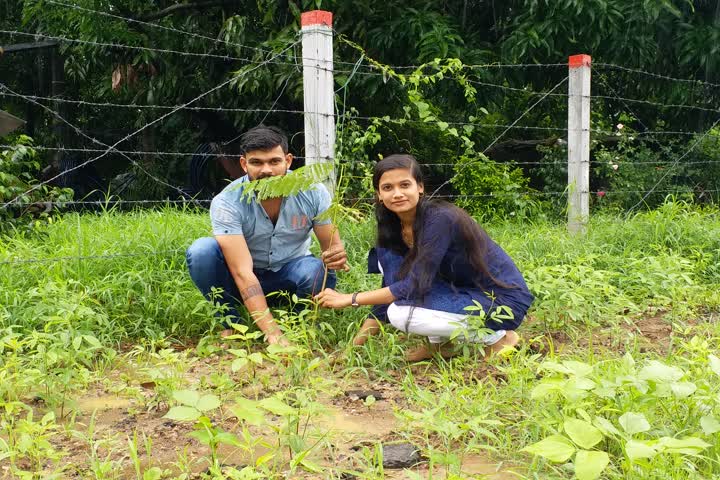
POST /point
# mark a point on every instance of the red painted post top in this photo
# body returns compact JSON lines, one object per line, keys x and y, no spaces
{"x":316,"y":17}
{"x":576,"y":61}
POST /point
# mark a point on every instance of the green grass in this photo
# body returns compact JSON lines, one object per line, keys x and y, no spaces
{"x":67,"y":324}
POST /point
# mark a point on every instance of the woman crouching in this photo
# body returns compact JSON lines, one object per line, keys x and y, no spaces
{"x":436,"y":262}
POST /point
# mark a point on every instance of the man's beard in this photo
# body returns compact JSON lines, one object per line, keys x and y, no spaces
{"x":261,"y":176}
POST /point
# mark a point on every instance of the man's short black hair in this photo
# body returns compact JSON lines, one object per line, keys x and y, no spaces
{"x":263,"y":138}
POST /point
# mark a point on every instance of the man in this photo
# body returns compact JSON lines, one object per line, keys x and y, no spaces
{"x":261,"y":247}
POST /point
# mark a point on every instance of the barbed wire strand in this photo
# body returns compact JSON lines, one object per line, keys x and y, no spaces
{"x":158,"y":26}
{"x":173,"y":52}
{"x":89,"y":257}
{"x":98,"y":142}
{"x":438,"y":164}
{"x":227,"y":142}
{"x":528,"y":110}
{"x":656,"y":75}
{"x":129,"y":47}
{"x":673,"y":166}
{"x":170,"y":29}
{"x":147,"y":125}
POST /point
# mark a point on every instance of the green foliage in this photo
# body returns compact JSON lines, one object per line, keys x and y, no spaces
{"x":304,"y":178}
{"x":619,"y":403}
{"x":493,"y":190}
{"x":19,"y":167}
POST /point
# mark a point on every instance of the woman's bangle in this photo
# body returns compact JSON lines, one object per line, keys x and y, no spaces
{"x":353,"y":302}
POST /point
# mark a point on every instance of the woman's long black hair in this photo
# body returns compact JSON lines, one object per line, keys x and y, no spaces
{"x":389,"y":229}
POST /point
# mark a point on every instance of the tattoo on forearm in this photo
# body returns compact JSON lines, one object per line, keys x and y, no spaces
{"x":251,"y":291}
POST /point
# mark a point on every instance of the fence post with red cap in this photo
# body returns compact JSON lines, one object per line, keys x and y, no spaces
{"x":578,"y":142}
{"x":318,"y":89}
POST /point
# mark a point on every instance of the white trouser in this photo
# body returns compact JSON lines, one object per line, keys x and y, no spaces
{"x":436,"y":325}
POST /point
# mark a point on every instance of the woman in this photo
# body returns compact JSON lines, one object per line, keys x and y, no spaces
{"x":436,"y":261}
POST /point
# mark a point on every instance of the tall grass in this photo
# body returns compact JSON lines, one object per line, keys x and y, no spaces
{"x":134,"y":281}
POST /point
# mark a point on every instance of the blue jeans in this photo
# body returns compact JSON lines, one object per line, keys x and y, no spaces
{"x":302,"y":276}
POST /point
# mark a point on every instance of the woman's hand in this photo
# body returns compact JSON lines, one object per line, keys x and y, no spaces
{"x":329,"y":298}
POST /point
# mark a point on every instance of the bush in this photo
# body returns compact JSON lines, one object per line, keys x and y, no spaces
{"x":18,"y":167}
{"x":494,"y":190}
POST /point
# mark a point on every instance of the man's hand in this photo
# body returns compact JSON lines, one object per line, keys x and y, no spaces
{"x":277,"y":339}
{"x":335,"y":257}
{"x":329,"y":298}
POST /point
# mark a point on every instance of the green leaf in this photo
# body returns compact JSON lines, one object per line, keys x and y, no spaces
{"x":582,"y":433}
{"x":659,"y":372}
{"x":578,"y":368}
{"x":546,"y":388}
{"x":590,"y":465}
{"x":208,"y":402}
{"x":183,"y":414}
{"x":186,"y":397}
{"x":634,"y":423}
{"x":636,"y":449}
{"x":606,"y":426}
{"x":248,"y":410}
{"x":154,"y":473}
{"x":202,"y":436}
{"x":310,"y":466}
{"x":683,"y":389}
{"x":239,"y":364}
{"x":686,"y":446}
{"x":714,"y":364}
{"x":276,"y":406}
{"x":555,"y":448}
{"x":709,"y":424}
{"x":256,"y":358}
{"x":228,"y":439}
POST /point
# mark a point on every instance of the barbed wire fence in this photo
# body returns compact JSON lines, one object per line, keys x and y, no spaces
{"x":604,"y":91}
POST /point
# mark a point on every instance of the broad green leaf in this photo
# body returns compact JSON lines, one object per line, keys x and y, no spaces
{"x":186,"y":397}
{"x":183,"y":413}
{"x":276,"y":406}
{"x":202,"y":436}
{"x":277,"y":349}
{"x":687,"y":446}
{"x":714,"y":364}
{"x":555,"y":448}
{"x":582,"y":433}
{"x":659,"y":372}
{"x":208,"y":402}
{"x":92,"y":341}
{"x":590,"y":465}
{"x":256,"y":358}
{"x":578,"y":368}
{"x":606,"y":426}
{"x":248,"y":411}
{"x":154,"y":473}
{"x":634,"y":423}
{"x":636,"y":449}
{"x":683,"y":389}
{"x":297,"y":443}
{"x":581,"y":383}
{"x":546,"y":388}
{"x":239,"y":364}
{"x":228,"y":439}
{"x":709,"y":424}
{"x":555,"y":367}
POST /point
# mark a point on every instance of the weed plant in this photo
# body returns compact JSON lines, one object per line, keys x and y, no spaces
{"x":127,"y":307}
